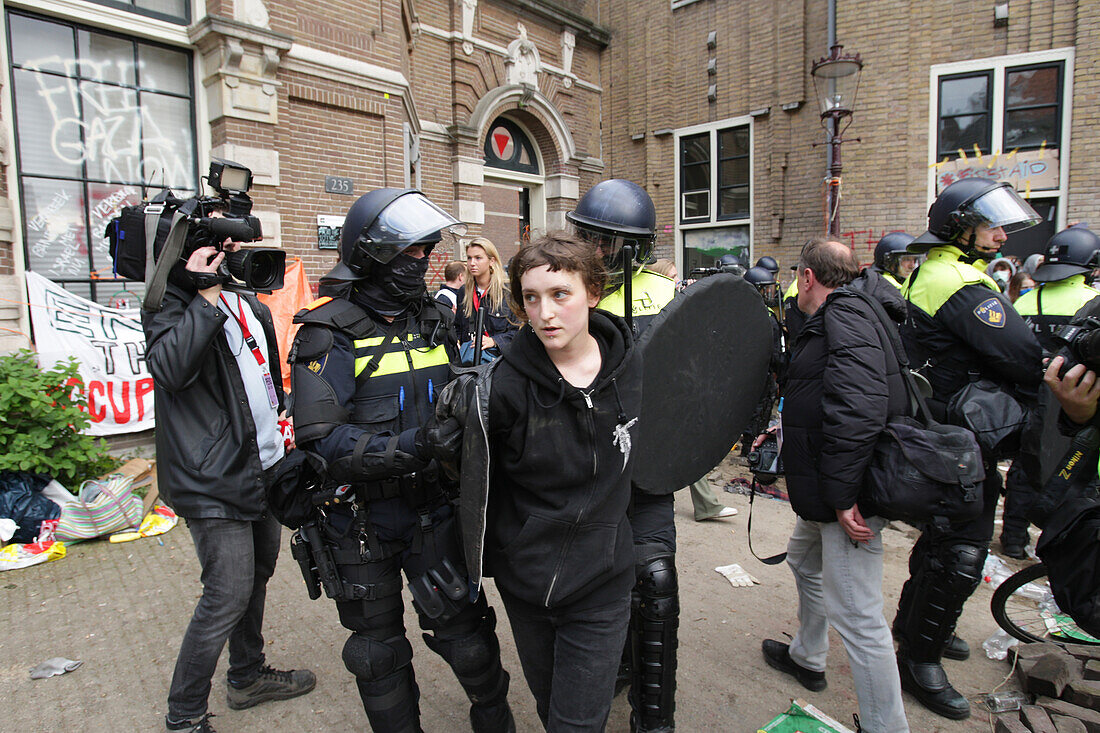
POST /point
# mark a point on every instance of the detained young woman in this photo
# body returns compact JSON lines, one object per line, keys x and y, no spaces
{"x":559,"y":414}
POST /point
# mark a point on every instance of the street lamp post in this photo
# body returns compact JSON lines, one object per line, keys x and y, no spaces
{"x":836,"y":81}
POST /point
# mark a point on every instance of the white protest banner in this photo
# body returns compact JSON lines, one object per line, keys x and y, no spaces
{"x":109,"y":345}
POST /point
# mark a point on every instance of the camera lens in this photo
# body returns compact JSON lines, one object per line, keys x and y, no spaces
{"x":261,"y":268}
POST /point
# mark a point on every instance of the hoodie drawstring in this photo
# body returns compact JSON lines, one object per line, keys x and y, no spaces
{"x":556,"y":402}
{"x":621,"y":419}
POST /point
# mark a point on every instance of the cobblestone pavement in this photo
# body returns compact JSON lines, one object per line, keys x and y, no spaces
{"x":122,"y":610}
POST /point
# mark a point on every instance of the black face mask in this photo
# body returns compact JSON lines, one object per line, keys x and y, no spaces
{"x":391,"y":287}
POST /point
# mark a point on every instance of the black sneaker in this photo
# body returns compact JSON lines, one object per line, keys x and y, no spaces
{"x":778,"y":656}
{"x":272,"y":684}
{"x":197,"y":725}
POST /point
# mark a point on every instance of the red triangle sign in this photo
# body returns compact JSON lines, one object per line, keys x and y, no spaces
{"x":501,"y":141}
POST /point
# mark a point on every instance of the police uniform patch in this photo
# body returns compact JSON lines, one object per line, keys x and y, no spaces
{"x":317,"y":366}
{"x":991,"y":312}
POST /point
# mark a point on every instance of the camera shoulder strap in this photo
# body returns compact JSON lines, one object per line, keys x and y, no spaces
{"x":156,"y":277}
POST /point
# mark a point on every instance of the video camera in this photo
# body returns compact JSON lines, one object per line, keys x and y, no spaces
{"x":765,"y":461}
{"x":1081,"y":345}
{"x":169,"y":228}
{"x":719,"y":266}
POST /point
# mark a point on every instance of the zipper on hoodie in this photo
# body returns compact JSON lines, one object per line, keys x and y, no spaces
{"x":595,"y":465}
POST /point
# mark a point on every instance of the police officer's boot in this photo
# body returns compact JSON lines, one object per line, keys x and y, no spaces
{"x":475,"y":658}
{"x":654,"y":621}
{"x":933,"y":603}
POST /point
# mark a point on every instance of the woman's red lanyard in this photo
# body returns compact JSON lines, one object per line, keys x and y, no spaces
{"x":254,"y":347}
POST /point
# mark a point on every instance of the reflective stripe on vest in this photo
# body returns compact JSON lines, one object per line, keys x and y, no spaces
{"x":940,"y":276}
{"x":394,"y":361}
{"x":651,"y":292}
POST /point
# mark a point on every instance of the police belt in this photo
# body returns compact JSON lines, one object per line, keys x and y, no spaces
{"x":369,"y":592}
{"x":417,"y":487}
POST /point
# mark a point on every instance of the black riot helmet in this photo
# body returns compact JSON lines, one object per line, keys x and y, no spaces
{"x":615,"y":213}
{"x":967,"y":203}
{"x":730,"y":262}
{"x":769,"y":264}
{"x":383,"y":223}
{"x":1073,"y":251}
{"x":763,"y":280}
{"x":890,"y":250}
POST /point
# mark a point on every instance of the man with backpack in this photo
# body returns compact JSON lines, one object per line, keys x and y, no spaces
{"x":842,"y":385}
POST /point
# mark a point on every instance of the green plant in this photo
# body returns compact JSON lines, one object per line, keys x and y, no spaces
{"x":43,"y":416}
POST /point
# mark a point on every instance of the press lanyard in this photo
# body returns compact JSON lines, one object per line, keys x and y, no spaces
{"x":257,"y":353}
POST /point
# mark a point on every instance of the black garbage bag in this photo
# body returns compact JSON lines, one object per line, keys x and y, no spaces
{"x":21,"y":501}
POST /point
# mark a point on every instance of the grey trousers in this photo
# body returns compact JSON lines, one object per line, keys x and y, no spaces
{"x":841,"y":584}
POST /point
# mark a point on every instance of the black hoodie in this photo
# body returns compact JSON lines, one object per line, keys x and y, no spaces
{"x":556,"y":532}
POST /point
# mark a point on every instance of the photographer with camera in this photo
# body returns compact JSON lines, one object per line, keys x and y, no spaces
{"x":368,"y":365}
{"x":841,"y":387}
{"x":210,"y":351}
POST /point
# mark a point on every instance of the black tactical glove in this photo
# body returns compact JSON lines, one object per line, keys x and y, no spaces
{"x":440,"y":438}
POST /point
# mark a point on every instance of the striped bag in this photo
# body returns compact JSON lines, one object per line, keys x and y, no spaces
{"x":112,"y":508}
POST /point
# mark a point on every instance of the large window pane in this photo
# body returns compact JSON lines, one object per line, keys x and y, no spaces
{"x":57,"y":242}
{"x":734,"y":203}
{"x":703,"y":246}
{"x":964,"y":132}
{"x":696,"y":177}
{"x":111,"y":142}
{"x":105,"y":58}
{"x":734,"y":141}
{"x":1032,"y":86}
{"x":1031,"y":127}
{"x":965,"y":95}
{"x":163,"y":69}
{"x":41,"y":45}
{"x":733,"y":172}
{"x":168,"y":140}
{"x":175,"y":8}
{"x":696,"y":149}
{"x":696,"y":205}
{"x":48,"y":124}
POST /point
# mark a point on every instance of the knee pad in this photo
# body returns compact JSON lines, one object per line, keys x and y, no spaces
{"x":474,"y":655}
{"x":962,"y":567}
{"x":655,"y":572}
{"x":372,"y":659}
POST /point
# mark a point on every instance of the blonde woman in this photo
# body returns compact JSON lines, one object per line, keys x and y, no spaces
{"x":484,"y":288}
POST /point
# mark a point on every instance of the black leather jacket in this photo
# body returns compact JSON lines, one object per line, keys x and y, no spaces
{"x":208,"y":465}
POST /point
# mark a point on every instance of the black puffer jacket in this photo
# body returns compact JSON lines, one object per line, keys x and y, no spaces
{"x":545,"y":483}
{"x":842,"y":384}
{"x":208,"y":464}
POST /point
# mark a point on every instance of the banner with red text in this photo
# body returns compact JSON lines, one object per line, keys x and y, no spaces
{"x":109,"y":345}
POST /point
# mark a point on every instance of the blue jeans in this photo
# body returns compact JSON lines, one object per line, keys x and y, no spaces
{"x":237,"y":559}
{"x":570,"y":659}
{"x":841,"y":584}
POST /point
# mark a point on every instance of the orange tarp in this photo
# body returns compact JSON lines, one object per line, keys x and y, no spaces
{"x":284,"y":303}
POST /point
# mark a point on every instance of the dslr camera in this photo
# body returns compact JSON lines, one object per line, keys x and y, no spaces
{"x":175,"y":227}
{"x":765,"y":462}
{"x":1080,"y":345}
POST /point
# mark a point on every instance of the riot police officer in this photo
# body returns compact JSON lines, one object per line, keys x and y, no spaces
{"x":612,"y":214}
{"x":892,"y":261}
{"x":958,"y":325}
{"x":1064,"y":286}
{"x":367,"y":363}
{"x":769,"y":264}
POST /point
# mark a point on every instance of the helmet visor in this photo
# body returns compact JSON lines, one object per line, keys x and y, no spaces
{"x":409,"y":220}
{"x":1003,"y":207}
{"x":610,"y":244}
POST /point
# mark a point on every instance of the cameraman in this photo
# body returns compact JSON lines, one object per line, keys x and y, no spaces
{"x":210,"y":353}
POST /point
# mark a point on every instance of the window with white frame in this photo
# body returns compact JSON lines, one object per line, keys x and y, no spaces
{"x":1007,"y":119}
{"x":102,"y":121}
{"x":714,"y":191}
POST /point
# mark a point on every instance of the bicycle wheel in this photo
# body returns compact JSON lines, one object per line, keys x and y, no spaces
{"x":1027,"y":619}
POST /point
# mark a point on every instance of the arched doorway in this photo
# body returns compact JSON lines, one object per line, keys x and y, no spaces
{"x":515,"y":203}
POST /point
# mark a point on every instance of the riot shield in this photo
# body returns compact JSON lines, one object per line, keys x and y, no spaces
{"x":705,"y":358}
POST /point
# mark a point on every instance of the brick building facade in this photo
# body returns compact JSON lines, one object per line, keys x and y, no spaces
{"x":505,"y":111}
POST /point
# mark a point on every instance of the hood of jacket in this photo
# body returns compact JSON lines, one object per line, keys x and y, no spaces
{"x":874,"y":284}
